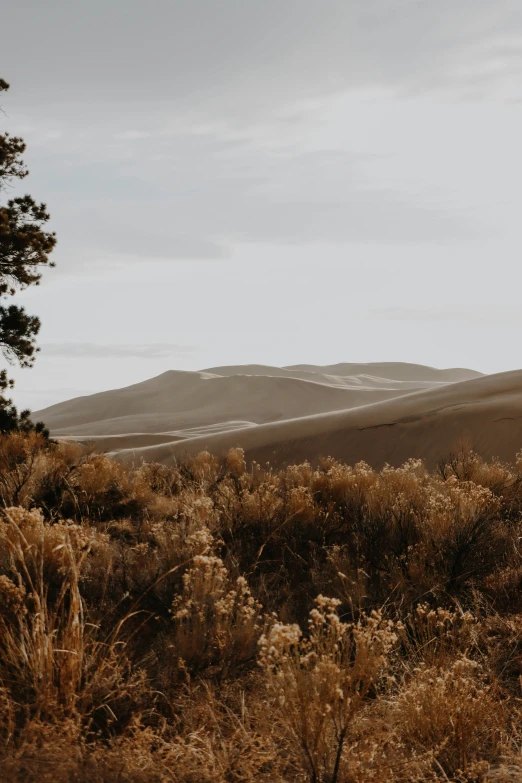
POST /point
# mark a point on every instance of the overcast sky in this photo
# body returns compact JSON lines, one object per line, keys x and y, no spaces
{"x":269,"y":181}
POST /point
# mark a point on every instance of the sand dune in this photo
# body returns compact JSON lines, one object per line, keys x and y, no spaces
{"x":390,"y":375}
{"x":100,"y":433}
{"x":398,"y":371}
{"x":177,"y":401}
{"x":382,"y":412}
{"x":118,"y":442}
{"x":485,"y":412}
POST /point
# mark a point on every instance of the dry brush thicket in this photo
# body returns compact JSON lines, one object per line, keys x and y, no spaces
{"x":210,"y":622}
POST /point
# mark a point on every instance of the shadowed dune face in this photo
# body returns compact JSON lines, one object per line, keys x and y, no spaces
{"x":384,"y":412}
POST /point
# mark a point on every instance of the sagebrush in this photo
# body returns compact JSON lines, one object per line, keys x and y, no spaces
{"x":218,"y":622}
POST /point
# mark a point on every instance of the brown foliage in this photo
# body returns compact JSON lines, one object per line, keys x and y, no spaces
{"x":169,"y":624}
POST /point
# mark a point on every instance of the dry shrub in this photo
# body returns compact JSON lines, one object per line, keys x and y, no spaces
{"x":101,"y":489}
{"x":69,"y":480}
{"x":45,"y":552}
{"x":149,"y":560}
{"x":235,"y":462}
{"x":216,"y":623}
{"x":319,"y":683}
{"x":500,"y":641}
{"x":435,"y":637}
{"x":163,"y":480}
{"x":21,"y":457}
{"x":45,"y":752}
{"x":451,"y":716}
{"x":52,"y":664}
{"x":468,"y":540}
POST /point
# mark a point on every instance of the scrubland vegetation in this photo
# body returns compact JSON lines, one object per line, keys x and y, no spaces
{"x":211,"y":622}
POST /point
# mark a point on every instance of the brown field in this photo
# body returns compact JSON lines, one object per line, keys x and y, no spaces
{"x":210,"y":621}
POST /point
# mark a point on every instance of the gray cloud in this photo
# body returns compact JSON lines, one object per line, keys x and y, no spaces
{"x":414,"y":314}
{"x":145,"y":159}
{"x":201,"y":194}
{"x":157,"y":148}
{"x":71,"y":350}
{"x":235,"y":58}
{"x":464,"y":314}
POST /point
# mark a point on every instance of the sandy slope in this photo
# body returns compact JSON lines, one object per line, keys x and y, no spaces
{"x":118,"y":442}
{"x":398,"y":371}
{"x":178,"y":401}
{"x":485,"y":412}
{"x":383,"y":375}
{"x":279,"y":414}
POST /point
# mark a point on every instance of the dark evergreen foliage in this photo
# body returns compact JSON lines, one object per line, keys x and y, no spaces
{"x":24,"y":249}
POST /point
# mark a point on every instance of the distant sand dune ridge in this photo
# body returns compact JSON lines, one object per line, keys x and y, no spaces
{"x":255,"y":394}
{"x":377,"y":413}
{"x":484,"y":413}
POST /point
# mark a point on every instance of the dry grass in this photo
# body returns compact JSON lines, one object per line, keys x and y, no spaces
{"x":170,"y":624}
